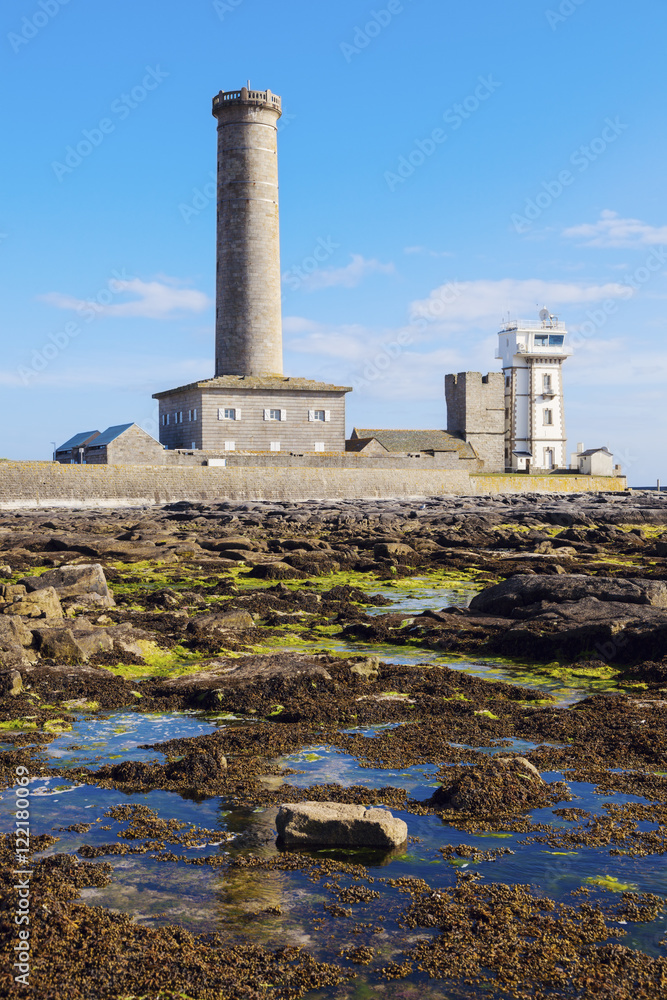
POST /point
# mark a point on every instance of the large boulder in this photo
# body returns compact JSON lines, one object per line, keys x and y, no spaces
{"x":205,"y":625}
{"x":264,"y":673}
{"x":85,"y":581}
{"x":277,"y":571}
{"x":44,"y":603}
{"x":334,"y":824}
{"x":11,"y":683}
{"x":394,"y":550}
{"x":524,"y":590}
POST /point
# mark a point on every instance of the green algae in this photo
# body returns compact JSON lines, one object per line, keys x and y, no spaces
{"x":57,"y":726}
{"x":160,"y":662}
{"x":611,"y":883}
{"x":18,"y":724}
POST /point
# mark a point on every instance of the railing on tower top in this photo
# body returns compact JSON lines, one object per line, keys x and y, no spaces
{"x":532,"y":324}
{"x":262,"y":96}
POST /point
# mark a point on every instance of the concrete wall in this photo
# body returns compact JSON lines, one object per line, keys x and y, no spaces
{"x":327,"y":460}
{"x":252,"y":432}
{"x":521,"y":483}
{"x":51,"y":484}
{"x":44,"y":483}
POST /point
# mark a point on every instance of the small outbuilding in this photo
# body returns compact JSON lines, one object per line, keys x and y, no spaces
{"x":122,"y":444}
{"x":445,"y":450}
{"x":595,"y":462}
{"x":72,"y":452}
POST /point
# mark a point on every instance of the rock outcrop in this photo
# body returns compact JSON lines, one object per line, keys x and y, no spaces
{"x":333,"y":824}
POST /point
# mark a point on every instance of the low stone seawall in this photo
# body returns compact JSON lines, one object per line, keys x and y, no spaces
{"x":47,"y":484}
{"x":519,"y":483}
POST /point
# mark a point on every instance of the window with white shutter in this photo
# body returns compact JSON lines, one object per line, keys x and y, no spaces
{"x":230,"y":446}
{"x":319,"y":446}
{"x":275,"y":446}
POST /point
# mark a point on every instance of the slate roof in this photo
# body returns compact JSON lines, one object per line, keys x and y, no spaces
{"x":110,"y":434}
{"x":274,"y":383}
{"x":403,"y":441}
{"x":594,"y":451}
{"x":357,"y":444}
{"x":77,"y":441}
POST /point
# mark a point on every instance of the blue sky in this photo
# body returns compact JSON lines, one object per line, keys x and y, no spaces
{"x":452,"y":163}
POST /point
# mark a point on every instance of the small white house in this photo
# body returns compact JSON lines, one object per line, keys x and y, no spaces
{"x":593,"y":461}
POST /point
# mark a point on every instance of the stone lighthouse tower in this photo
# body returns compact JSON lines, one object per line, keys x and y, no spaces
{"x":250,"y":406}
{"x":248,"y":329}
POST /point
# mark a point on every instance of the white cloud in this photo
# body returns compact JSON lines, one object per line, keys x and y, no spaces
{"x":431,"y":253}
{"x":460,"y":305}
{"x":611,"y":230}
{"x":345,"y":277}
{"x":613,"y":362}
{"x":151,"y":300}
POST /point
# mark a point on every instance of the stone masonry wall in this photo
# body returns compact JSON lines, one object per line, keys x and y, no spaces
{"x":252,"y":432}
{"x":476,"y":411}
{"x":177,"y":433}
{"x":248,"y":312}
{"x":50,"y":484}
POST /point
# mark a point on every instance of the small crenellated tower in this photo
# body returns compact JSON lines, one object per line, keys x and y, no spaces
{"x":475,"y":414}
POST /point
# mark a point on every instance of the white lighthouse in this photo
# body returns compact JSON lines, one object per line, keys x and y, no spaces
{"x":532,"y":354}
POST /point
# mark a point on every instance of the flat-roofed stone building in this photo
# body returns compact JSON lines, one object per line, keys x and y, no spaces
{"x":254,"y":413}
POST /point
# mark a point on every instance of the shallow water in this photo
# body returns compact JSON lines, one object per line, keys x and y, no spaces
{"x":205,"y":899}
{"x":234,"y":901}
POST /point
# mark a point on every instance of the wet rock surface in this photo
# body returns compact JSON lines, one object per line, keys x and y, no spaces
{"x":332,"y":824}
{"x":269,"y":616}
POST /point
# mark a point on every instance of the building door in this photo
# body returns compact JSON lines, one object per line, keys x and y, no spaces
{"x":548,"y":458}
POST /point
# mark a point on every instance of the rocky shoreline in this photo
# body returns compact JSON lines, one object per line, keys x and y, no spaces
{"x":284,"y":617}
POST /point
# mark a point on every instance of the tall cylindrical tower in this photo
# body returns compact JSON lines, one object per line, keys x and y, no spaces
{"x":248,"y":327}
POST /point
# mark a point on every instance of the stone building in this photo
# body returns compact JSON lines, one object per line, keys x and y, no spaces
{"x":532,"y":355}
{"x":476,"y":415}
{"x":252,"y":413}
{"x":123,"y":444}
{"x":72,"y":451}
{"x":440,"y":449}
{"x":249,"y":405}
